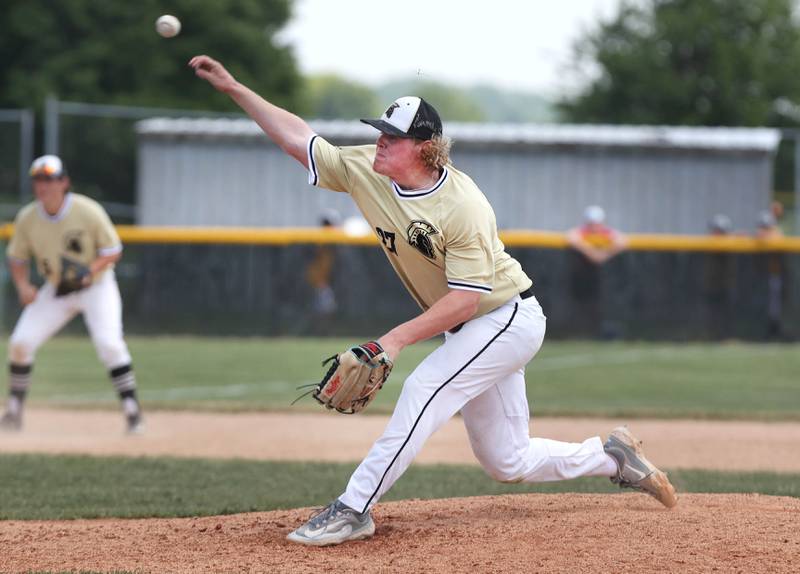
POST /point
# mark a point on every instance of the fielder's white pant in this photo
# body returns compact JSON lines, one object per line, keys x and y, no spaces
{"x":479,"y":371}
{"x":101,"y":306}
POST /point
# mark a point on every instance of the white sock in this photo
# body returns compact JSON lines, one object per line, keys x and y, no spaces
{"x":14,"y":405}
{"x":610,"y":468}
{"x":130,"y":406}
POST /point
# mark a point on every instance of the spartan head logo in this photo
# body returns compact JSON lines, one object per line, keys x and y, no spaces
{"x":72,"y":241}
{"x":390,"y":110}
{"x":419,"y":233}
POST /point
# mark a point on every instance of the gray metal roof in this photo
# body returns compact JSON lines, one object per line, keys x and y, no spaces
{"x":749,"y":139}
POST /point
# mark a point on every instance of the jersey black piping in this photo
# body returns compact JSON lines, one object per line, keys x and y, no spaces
{"x":470,"y":286}
{"x":402,"y":194}
{"x":313,"y":166}
{"x":436,"y":392}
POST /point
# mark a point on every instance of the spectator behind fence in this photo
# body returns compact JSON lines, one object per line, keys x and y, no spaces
{"x":719,"y":276}
{"x":594,"y":244}
{"x":318,"y":275}
{"x":771,"y":266}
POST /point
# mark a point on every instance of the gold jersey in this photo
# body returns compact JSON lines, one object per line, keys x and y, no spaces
{"x":437,"y":239}
{"x":81,"y":231}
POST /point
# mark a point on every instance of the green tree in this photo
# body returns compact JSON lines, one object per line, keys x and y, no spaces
{"x":690,"y":62}
{"x":108,"y":52}
{"x":501,"y":105}
{"x":333,"y":97}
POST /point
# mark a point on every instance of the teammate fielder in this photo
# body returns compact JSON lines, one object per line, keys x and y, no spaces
{"x":438,"y":232}
{"x":61,"y":229}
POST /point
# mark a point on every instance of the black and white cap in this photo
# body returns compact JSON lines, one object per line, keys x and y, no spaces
{"x":48,"y":167}
{"x":409,"y":117}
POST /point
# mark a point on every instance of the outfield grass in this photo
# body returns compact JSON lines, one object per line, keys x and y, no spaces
{"x":724,"y":381}
{"x":67,"y":487}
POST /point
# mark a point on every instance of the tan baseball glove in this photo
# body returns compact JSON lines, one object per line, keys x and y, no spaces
{"x":354,"y":378}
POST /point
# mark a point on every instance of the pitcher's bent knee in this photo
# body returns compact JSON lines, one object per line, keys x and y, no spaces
{"x":509,"y":473}
{"x":113,"y":354}
{"x":21,"y":351}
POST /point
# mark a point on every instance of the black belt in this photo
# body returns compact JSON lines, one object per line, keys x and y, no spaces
{"x":527,"y":294}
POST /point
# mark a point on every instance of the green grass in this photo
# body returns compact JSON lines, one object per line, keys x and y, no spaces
{"x":723,"y":381}
{"x":68,"y":487}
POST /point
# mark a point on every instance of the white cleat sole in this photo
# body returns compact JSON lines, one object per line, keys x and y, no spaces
{"x":332,"y":539}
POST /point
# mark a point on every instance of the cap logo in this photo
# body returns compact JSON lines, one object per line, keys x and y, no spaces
{"x":390,"y":110}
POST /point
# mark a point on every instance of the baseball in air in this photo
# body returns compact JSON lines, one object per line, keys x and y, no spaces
{"x":168,"y":26}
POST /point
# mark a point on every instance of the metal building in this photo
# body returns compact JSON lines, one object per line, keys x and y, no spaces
{"x":225,"y":172}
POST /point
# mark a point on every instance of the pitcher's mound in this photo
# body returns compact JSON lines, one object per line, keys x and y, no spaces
{"x":515,"y":533}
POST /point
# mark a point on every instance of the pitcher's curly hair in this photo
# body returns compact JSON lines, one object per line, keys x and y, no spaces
{"x":437,"y":155}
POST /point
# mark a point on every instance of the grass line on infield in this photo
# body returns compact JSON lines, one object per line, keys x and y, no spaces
{"x":628,"y":379}
{"x":67,"y":487}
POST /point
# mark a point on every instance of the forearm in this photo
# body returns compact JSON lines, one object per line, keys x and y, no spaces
{"x":287,"y":130}
{"x":451,"y":310}
{"x":20,"y":274}
{"x":103,"y":261}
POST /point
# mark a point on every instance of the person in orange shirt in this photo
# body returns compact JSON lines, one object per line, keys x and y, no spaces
{"x":594,"y":243}
{"x":595,"y":240}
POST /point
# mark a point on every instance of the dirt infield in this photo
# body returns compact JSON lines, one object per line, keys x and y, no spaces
{"x":519,"y":533}
{"x":522,"y":533}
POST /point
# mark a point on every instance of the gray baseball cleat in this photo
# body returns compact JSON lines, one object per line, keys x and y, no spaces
{"x":11,"y":421}
{"x":635,"y":471}
{"x":334,"y":524}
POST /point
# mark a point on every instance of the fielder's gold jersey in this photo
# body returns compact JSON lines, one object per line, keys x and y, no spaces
{"x":437,"y":239}
{"x":81,"y":231}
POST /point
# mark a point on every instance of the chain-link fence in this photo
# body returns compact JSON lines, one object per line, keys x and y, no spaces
{"x":16,"y":153}
{"x":98,"y":145}
{"x":215,"y":289}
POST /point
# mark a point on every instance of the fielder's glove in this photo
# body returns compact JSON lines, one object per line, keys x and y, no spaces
{"x":354,"y":378}
{"x":74,"y":277}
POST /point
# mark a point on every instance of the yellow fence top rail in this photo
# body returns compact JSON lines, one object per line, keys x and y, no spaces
{"x":511,"y":237}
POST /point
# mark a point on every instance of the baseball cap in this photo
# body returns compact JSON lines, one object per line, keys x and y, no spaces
{"x":409,"y":117}
{"x":766,"y":219}
{"x":720,"y":223}
{"x":594,"y":214}
{"x":49,"y":166}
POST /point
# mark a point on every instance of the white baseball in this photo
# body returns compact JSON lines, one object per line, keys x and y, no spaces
{"x":168,"y":26}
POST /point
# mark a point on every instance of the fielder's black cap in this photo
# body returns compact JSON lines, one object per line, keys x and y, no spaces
{"x":409,"y":117}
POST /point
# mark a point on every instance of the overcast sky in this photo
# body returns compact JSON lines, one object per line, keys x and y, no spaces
{"x":517,"y":44}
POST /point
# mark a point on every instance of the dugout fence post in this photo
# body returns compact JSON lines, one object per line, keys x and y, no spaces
{"x":51,"y":127}
{"x":26,"y":135}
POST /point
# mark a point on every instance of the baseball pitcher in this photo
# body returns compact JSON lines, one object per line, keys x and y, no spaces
{"x":438,"y":231}
{"x":75,"y":247}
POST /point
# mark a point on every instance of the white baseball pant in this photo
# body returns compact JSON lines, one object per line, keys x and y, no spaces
{"x":101,"y":306}
{"x":480,"y":371}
